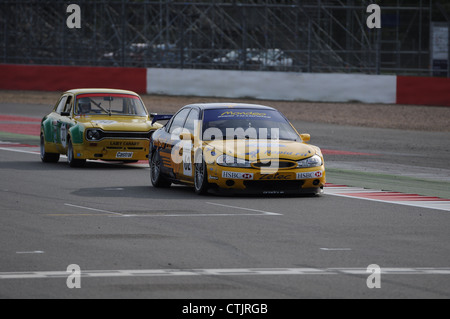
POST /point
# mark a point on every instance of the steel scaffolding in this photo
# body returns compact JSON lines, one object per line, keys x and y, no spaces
{"x":296,"y":35}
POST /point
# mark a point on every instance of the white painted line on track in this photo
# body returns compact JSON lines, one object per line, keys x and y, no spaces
{"x":30,"y":252}
{"x":336,"y":249}
{"x":115,"y":214}
{"x":445,"y":207}
{"x":365,"y":194}
{"x":340,"y":191}
{"x":93,"y":209}
{"x":248,"y":209}
{"x":222,"y":272}
{"x":19,"y":151}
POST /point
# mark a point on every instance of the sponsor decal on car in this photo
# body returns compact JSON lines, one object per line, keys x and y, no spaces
{"x":308,"y":175}
{"x":104,"y":122}
{"x":116,"y":143}
{"x":63,"y":135}
{"x":237,"y":175}
{"x":243,"y":114}
{"x":187,"y":162}
{"x":124,"y":155}
{"x":275,"y":177}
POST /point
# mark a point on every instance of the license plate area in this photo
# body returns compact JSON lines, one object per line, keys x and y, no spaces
{"x":122,"y":155}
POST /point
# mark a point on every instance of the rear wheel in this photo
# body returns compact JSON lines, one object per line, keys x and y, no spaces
{"x":73,"y":162}
{"x":47,"y":157}
{"x":155,"y":172}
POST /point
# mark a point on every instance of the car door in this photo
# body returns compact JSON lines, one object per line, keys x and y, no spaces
{"x":169,"y":150}
{"x":62,"y":122}
{"x":187,"y":146}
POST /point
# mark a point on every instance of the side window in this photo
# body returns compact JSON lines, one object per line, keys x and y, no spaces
{"x":178,"y":120}
{"x":190,"y":121}
{"x":61,"y":105}
{"x":68,"y":105}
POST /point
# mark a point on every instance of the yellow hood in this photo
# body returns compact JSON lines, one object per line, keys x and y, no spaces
{"x":253,"y":150}
{"x":116,"y":123}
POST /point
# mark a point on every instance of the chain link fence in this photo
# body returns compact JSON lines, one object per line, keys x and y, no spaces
{"x":296,"y":35}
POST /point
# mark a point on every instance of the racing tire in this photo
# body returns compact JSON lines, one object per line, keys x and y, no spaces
{"x":156,"y":177}
{"x":201,"y":184}
{"x":47,"y":157}
{"x":73,"y":162}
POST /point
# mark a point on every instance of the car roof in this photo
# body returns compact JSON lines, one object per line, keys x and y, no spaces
{"x":92,"y":90}
{"x":212,"y":106}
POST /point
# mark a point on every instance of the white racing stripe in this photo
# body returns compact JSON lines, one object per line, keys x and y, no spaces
{"x":222,"y":272}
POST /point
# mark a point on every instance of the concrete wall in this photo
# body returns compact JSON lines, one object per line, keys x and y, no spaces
{"x":314,"y":87}
{"x":273,"y":85}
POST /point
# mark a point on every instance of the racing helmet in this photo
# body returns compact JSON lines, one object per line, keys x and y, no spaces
{"x":84,"y":105}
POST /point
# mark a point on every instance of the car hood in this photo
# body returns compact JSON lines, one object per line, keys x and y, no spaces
{"x":123,"y":123}
{"x":262,"y":149}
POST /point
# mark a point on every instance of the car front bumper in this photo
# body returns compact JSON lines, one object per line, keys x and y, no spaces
{"x":113,"y":150}
{"x":250,"y":180}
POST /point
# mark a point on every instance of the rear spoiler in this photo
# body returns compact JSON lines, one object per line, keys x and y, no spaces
{"x":160,"y":117}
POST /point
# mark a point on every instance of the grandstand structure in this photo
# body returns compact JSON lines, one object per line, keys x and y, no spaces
{"x":276,"y":35}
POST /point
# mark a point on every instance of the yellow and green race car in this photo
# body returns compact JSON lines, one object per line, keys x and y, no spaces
{"x":239,"y":148}
{"x":97,"y":124}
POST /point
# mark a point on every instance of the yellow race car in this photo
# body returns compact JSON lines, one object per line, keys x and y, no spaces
{"x":97,"y":124}
{"x":235,"y":148}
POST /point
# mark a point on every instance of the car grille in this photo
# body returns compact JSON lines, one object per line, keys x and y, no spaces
{"x":126,"y":135}
{"x":120,"y":135}
{"x":283,"y":164}
{"x":273,"y":185}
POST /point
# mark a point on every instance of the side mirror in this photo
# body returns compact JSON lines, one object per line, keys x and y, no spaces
{"x":186,"y":136}
{"x":305,"y":137}
{"x":152,"y":115}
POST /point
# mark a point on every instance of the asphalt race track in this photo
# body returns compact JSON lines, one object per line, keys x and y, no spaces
{"x":133,"y":241}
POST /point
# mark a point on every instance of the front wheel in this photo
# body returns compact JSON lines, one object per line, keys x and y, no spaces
{"x":201,"y":184}
{"x":47,"y":157}
{"x":73,"y":162}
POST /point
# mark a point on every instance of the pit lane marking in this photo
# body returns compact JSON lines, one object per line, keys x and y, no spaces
{"x":222,"y":272}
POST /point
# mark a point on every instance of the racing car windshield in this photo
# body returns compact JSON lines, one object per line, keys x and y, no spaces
{"x":246,"y":123}
{"x":109,"y":104}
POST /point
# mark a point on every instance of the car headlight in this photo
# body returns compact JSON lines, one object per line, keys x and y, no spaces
{"x":230,"y":161}
{"x":313,"y":161}
{"x":93,"y":135}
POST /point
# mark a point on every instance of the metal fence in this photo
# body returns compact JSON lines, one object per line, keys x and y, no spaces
{"x":296,"y":35}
